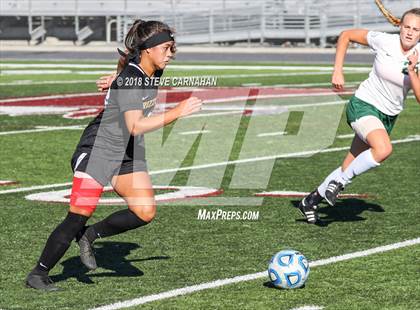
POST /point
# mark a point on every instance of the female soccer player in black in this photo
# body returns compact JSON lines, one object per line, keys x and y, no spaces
{"x":111,"y":149}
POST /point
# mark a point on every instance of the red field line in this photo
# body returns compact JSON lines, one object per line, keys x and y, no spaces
{"x":94,"y":100}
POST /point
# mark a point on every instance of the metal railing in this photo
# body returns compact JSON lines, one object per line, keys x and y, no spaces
{"x":224,"y":20}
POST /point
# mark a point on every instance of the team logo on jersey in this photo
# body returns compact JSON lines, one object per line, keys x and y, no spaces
{"x":150,"y":103}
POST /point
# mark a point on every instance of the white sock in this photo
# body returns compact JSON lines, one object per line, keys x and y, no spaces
{"x":359,"y":165}
{"x":332,"y":176}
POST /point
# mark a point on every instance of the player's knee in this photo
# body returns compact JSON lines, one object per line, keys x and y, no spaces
{"x":145,"y":212}
{"x":383,"y":152}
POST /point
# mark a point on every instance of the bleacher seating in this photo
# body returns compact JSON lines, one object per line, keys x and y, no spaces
{"x":200,"y":21}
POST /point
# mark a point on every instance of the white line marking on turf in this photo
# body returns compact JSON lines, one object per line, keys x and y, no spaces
{"x":76,"y":127}
{"x":350,"y":135}
{"x":306,"y":94}
{"x":271,"y":157}
{"x":292,"y":68}
{"x":177,"y":67}
{"x":270,"y":134}
{"x":57,"y":65}
{"x":33,"y":188}
{"x":308,"y":308}
{"x":220,"y":76}
{"x":52,"y":97}
{"x":235,"y":76}
{"x":30,"y":82}
{"x":218,"y":283}
{"x":34,"y":72}
{"x":194,"y":132}
{"x":413,"y":138}
{"x":313,"y":84}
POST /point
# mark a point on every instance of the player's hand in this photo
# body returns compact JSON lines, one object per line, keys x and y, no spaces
{"x":338,"y":79}
{"x":412,"y":60}
{"x":189,"y":106}
{"x":104,"y":82}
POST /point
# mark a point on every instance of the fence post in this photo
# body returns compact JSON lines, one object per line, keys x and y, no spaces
{"x":323,"y":34}
{"x":211,"y":26}
{"x":307,"y":24}
{"x":262,"y":37}
{"x":357,"y":15}
{"x":119,"y":30}
{"x":323,"y":26}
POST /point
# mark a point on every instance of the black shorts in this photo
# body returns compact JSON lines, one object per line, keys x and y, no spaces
{"x":102,"y":169}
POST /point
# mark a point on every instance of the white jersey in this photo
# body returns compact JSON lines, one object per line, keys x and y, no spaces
{"x":388,"y":82}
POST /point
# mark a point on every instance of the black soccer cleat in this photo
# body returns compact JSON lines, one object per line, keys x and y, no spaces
{"x":332,"y":191}
{"x":309,"y":205}
{"x":40,"y":282}
{"x":86,"y":253}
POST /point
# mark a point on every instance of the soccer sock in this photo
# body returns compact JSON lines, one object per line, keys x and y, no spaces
{"x":332,"y":176}
{"x":114,"y":224}
{"x":359,"y":165}
{"x":59,"y":241}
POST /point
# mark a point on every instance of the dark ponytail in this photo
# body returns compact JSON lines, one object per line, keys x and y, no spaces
{"x":139,"y":32}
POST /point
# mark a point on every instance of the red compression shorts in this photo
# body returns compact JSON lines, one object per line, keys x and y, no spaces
{"x":85,"y":193}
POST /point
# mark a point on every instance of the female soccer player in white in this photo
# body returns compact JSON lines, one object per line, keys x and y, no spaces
{"x":375,"y":106}
{"x":112,"y":149}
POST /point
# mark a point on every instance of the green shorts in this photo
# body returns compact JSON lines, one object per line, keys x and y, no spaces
{"x":357,"y":108}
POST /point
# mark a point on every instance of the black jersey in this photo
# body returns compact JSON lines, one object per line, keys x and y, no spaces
{"x":107,"y":135}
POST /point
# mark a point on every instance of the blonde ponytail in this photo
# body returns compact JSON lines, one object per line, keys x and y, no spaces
{"x":388,"y":15}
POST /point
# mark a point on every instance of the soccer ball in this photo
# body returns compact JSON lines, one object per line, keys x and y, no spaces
{"x":288,"y":269}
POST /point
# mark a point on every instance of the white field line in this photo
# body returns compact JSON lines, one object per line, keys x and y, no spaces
{"x":220,"y":76}
{"x":41,"y":72}
{"x":30,"y":82}
{"x":251,"y":84}
{"x":229,"y":111}
{"x":33,"y":188}
{"x":194,"y":132}
{"x":57,"y":65}
{"x":34,"y":72}
{"x":270,"y":134}
{"x":312,"y":84}
{"x":326,"y":93}
{"x":311,"y":307}
{"x":271,"y":157}
{"x":51,"y":97}
{"x":292,"y":68}
{"x":350,"y":135}
{"x":263,"y":108}
{"x":235,"y":76}
{"x":253,"y":276}
{"x":414,"y":138}
{"x":76,"y":127}
{"x":176,"y":67}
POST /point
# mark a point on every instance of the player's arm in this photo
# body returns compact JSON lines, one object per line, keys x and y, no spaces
{"x":138,"y":124}
{"x":414,"y":76}
{"x":353,"y":35}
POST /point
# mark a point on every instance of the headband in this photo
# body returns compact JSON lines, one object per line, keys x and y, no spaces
{"x":154,"y":40}
{"x":157,"y":39}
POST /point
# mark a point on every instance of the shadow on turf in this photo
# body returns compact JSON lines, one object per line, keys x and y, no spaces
{"x":110,"y":256}
{"x":269,"y":284}
{"x":348,"y":210}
